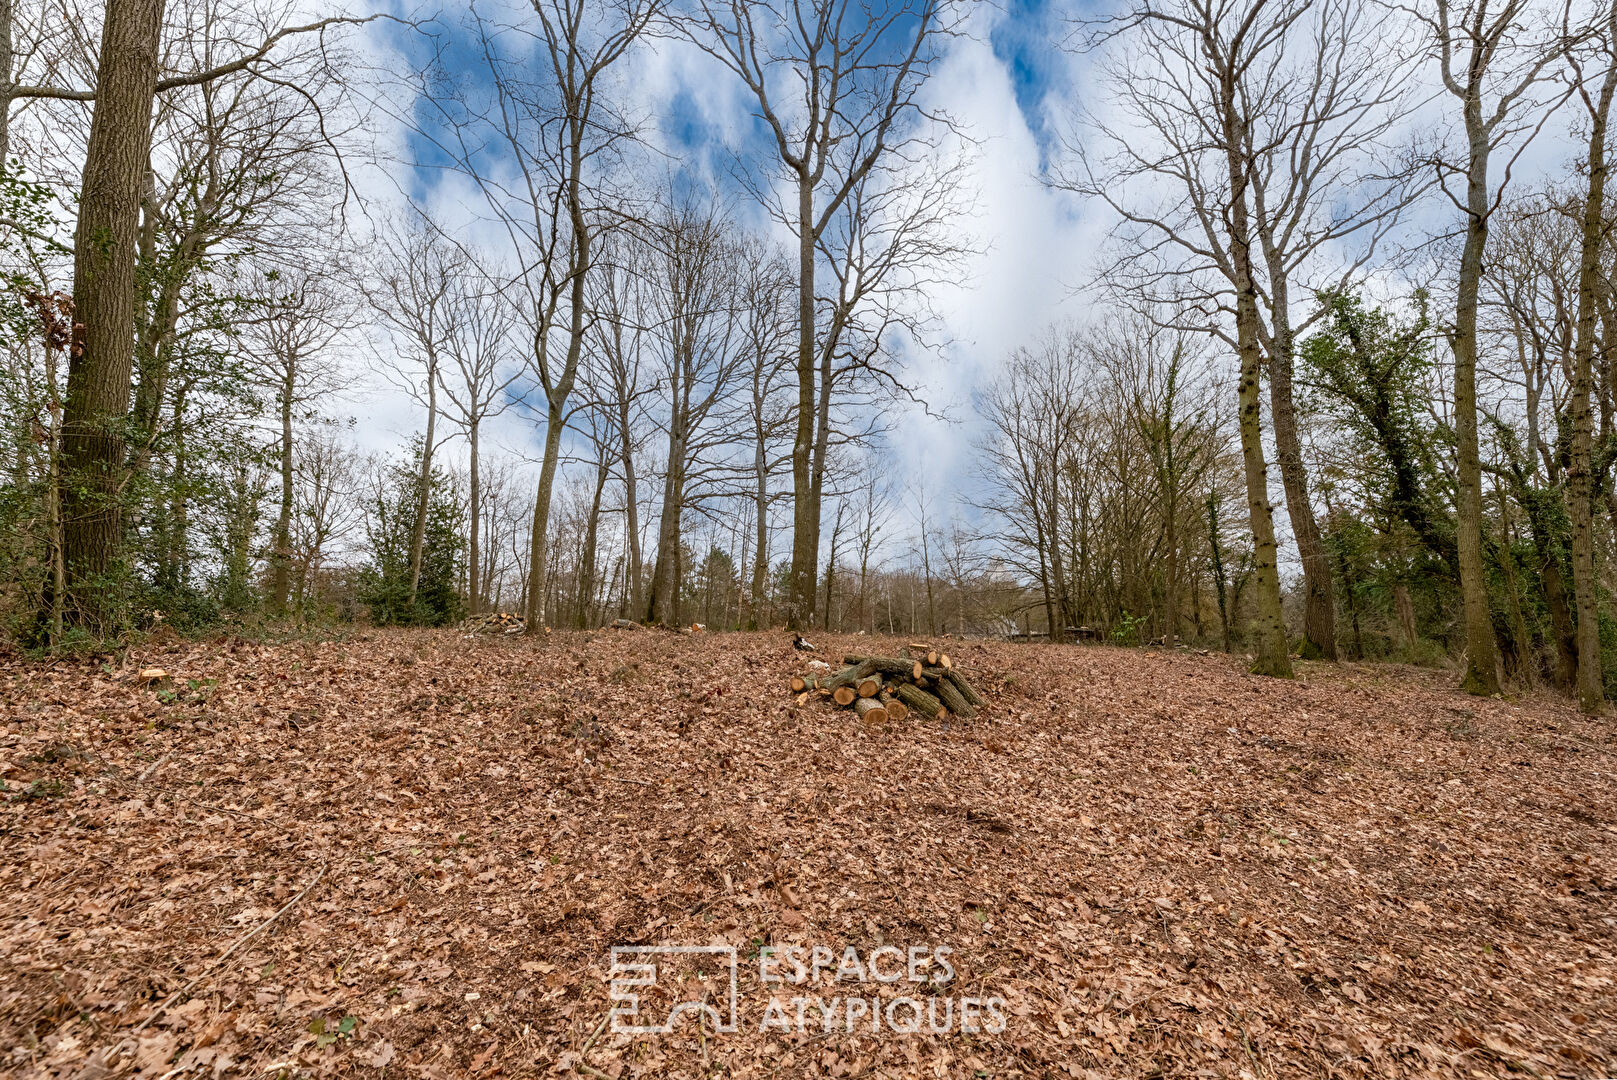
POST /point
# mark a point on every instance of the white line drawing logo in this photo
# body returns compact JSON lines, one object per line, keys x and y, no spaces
{"x":629,"y":970}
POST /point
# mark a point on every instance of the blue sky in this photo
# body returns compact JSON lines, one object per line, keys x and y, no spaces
{"x":996,"y":81}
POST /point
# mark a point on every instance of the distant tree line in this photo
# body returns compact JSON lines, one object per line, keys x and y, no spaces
{"x":1311,"y":298}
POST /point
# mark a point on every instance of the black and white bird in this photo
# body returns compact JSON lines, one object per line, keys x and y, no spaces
{"x":802,"y":644}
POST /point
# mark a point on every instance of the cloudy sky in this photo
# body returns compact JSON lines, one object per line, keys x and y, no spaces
{"x":1007,"y":82}
{"x":1004,"y":82}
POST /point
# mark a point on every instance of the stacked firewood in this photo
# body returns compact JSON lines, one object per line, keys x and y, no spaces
{"x":494,"y":622}
{"x":878,"y":688}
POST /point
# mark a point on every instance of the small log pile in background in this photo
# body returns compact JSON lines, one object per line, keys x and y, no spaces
{"x":494,"y":622}
{"x":878,"y":688}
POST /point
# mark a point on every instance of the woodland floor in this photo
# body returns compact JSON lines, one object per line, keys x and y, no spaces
{"x":1164,"y":866}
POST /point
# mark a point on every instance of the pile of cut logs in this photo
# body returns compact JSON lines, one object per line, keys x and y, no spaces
{"x":882,"y":688}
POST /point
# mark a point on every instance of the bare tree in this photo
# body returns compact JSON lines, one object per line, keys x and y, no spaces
{"x":475,"y":378}
{"x":327,"y":509}
{"x":618,"y":297}
{"x":299,"y":317}
{"x":696,"y":307}
{"x":1596,"y":98}
{"x":420,"y":297}
{"x":101,"y":363}
{"x":855,"y":70}
{"x":1182,"y":77}
{"x":1482,"y":51}
{"x":546,"y":105}
{"x":765,"y":340}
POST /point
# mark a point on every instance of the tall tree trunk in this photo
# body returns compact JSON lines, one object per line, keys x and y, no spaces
{"x":760,"y":556}
{"x":1170,"y":590}
{"x":586,"y":563}
{"x":664,"y":575}
{"x":1064,"y":612}
{"x":556,"y":396}
{"x":1522,"y":641}
{"x":631,"y":513}
{"x":7,"y":60}
{"x":1271,"y":653}
{"x":474,"y":554}
{"x":539,"y":539}
{"x":1482,"y":656}
{"x":1579,"y":482}
{"x":98,"y":378}
{"x":805,"y":508}
{"x":418,"y":531}
{"x":1319,"y":601}
{"x":281,"y":556}
{"x":1219,"y":576}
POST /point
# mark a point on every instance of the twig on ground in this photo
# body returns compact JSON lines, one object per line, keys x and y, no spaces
{"x":154,"y":766}
{"x":244,"y":939}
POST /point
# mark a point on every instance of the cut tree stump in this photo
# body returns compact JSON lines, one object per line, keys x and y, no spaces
{"x":870,"y":710}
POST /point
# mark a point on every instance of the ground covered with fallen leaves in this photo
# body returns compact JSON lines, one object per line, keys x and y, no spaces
{"x":409,"y":854}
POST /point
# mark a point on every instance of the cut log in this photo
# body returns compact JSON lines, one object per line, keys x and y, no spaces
{"x":884,"y":665}
{"x":943,"y":660}
{"x":844,"y":695}
{"x":917,"y":699}
{"x":952,"y":698}
{"x":870,"y":687}
{"x":799,"y":684}
{"x":870,"y":710}
{"x":967,"y":691}
{"x":850,"y":676}
{"x":896,"y":709}
{"x":932,"y":657}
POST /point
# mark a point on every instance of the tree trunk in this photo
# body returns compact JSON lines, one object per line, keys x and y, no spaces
{"x":1522,"y":640}
{"x":760,"y":556}
{"x":586,"y":564}
{"x":418,"y":533}
{"x":1405,"y":607}
{"x":281,"y":556}
{"x":1319,"y":602}
{"x":631,"y":512}
{"x":538,"y":541}
{"x":1482,"y":657}
{"x":474,"y":553}
{"x":556,"y":396}
{"x":664,"y":573}
{"x":1591,"y":686}
{"x":98,"y":380}
{"x":805,"y":511}
{"x":1271,"y":653}
{"x":7,"y":60}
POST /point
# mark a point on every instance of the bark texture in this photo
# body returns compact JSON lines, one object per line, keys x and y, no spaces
{"x":99,"y":372}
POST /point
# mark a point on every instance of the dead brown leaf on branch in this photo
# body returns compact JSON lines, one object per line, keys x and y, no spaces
{"x":1163,"y":865}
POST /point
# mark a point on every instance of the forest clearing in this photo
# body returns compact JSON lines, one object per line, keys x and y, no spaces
{"x":410,"y":852}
